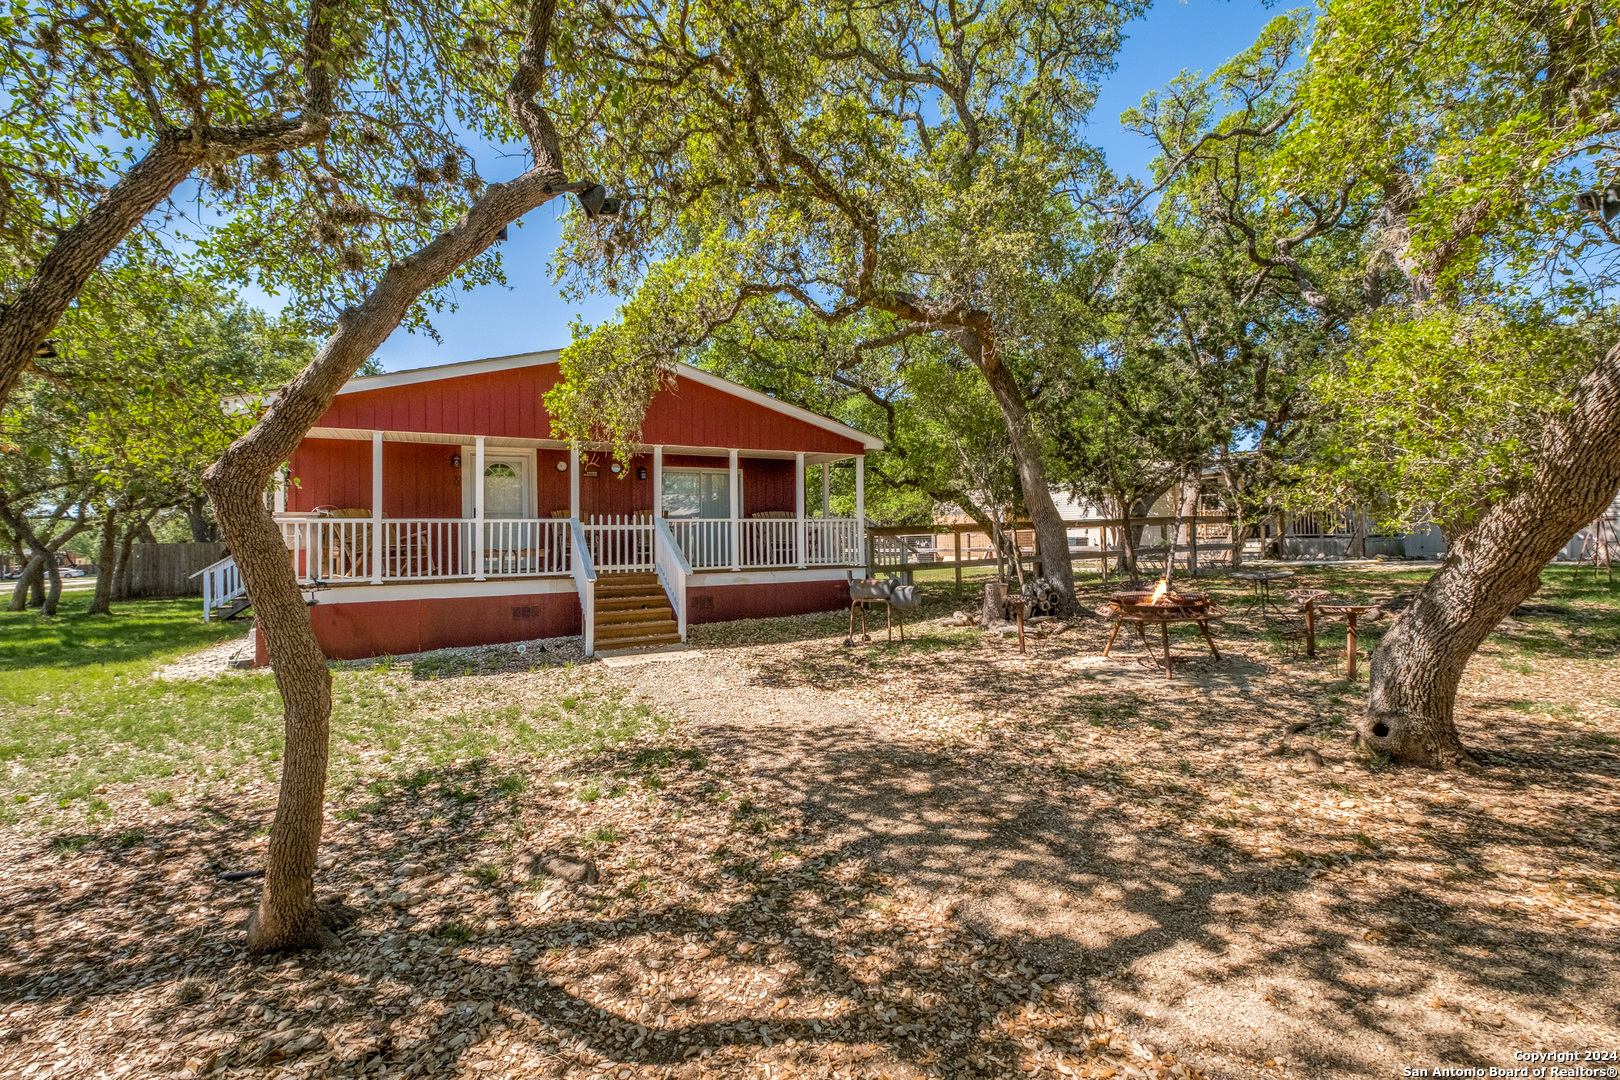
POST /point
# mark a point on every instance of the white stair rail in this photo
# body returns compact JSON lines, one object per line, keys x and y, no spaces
{"x":222,"y":583}
{"x":584,"y":571}
{"x":673,"y":570}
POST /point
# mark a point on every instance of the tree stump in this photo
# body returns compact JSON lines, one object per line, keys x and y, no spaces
{"x":994,"y":612}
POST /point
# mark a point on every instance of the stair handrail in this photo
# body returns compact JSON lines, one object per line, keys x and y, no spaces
{"x":673,"y":569}
{"x":584,"y":571}
{"x":222,"y":583}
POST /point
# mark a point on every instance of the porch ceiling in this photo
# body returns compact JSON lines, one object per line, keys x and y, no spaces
{"x":364,"y":435}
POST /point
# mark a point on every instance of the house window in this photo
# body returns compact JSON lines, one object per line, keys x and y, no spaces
{"x":697,"y":493}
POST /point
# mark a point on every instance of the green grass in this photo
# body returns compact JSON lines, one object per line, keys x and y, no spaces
{"x":82,"y":710}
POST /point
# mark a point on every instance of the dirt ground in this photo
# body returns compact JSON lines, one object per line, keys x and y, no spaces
{"x":946,"y":858}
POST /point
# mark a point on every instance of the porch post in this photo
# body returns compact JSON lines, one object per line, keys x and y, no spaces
{"x":280,"y":502}
{"x":375,"y":548}
{"x":658,"y":481}
{"x":798,"y":488}
{"x":736,"y":513}
{"x":860,"y":507}
{"x":478,"y":509}
{"x":826,"y":490}
{"x":573,"y":482}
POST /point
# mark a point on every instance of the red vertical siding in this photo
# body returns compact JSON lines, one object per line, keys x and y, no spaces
{"x":606,"y":493}
{"x":551,"y":485}
{"x":767,"y":485}
{"x":510,"y":403}
{"x":332,"y":472}
{"x":419,"y":481}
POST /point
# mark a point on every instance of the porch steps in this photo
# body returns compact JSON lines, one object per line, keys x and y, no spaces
{"x":633,"y":612}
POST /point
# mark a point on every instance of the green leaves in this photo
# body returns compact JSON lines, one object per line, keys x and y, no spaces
{"x":1441,"y":414}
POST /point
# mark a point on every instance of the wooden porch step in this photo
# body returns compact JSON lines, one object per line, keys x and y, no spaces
{"x":623,"y":644}
{"x":617,"y":592}
{"x":617,"y":579}
{"x":620,"y":631}
{"x":658,"y":610}
{"x":631,"y":603}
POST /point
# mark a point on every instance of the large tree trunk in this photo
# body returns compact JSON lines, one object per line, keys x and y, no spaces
{"x":101,"y":601}
{"x":203,"y":531}
{"x":53,"y":595}
{"x":1488,"y":572}
{"x":32,"y":569}
{"x":287,"y":917}
{"x":1050,"y":529}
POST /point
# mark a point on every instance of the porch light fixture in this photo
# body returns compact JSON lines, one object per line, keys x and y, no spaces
{"x":455,"y":461}
{"x":641,"y":473}
{"x":562,"y":466}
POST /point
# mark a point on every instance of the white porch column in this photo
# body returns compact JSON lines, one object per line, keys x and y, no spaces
{"x":375,"y":548}
{"x":798,"y":489}
{"x":573,"y":482}
{"x":826,"y":490}
{"x":860,"y":509}
{"x":280,"y":497}
{"x":478,"y":509}
{"x":658,"y":481}
{"x":736,"y":514}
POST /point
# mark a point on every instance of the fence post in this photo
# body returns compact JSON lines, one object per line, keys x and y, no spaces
{"x":957,"y":533}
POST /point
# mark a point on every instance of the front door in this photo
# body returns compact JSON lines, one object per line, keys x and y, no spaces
{"x":510,"y":546}
{"x":506,"y":488}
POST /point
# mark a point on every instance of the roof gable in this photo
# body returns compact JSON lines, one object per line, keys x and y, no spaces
{"x":503,"y":396}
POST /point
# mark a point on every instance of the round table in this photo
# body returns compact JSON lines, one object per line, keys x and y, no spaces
{"x":1260,"y":581}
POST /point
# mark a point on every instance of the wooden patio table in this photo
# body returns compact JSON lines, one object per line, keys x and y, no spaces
{"x":1351,"y":612}
{"x":1260,"y":581}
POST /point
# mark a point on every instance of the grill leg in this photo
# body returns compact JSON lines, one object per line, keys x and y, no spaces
{"x":1164,"y":629}
{"x":1204,"y":629}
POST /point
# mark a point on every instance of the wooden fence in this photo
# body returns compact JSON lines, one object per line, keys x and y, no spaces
{"x":891,"y":550}
{"x":166,"y":569}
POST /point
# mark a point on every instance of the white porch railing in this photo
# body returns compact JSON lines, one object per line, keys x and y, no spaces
{"x":770,"y":542}
{"x":432,"y":549}
{"x":706,"y":542}
{"x":585,"y":583}
{"x":329,"y":549}
{"x":832,"y":542}
{"x":620,"y":541}
{"x":518,"y":547}
{"x":222,"y":583}
{"x":673,"y":570}
{"x":425,"y":549}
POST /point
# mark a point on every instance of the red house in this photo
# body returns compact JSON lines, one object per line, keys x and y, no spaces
{"x":433,"y":508}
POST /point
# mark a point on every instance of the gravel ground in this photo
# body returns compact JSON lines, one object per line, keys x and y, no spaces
{"x":945,"y":858}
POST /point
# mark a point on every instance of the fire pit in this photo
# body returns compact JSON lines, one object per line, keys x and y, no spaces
{"x":1161,"y":606}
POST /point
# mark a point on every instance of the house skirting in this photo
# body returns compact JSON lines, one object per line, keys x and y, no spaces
{"x":356,"y":622}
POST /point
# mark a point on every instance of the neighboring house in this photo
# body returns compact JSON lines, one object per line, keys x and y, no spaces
{"x":434,"y":508}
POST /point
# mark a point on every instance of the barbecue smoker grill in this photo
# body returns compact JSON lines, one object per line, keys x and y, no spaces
{"x":1162,"y":607}
{"x":895,"y":598}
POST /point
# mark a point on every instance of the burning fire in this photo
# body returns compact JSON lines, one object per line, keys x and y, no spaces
{"x":1162,"y":594}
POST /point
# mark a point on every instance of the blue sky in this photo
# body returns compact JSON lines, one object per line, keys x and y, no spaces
{"x":529,"y":314}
